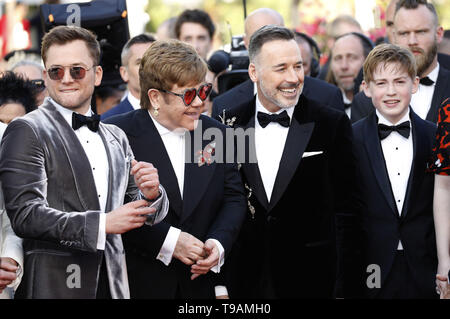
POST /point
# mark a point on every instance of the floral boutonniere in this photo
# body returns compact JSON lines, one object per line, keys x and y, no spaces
{"x":224,"y":120}
{"x":204,"y":157}
{"x":250,"y":206}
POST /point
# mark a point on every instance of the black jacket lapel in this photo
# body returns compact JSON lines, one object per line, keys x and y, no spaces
{"x":196,"y":177}
{"x":148,"y":139}
{"x":251,"y":170}
{"x":440,"y":93}
{"x":419,"y":161}
{"x":245,"y":114}
{"x":375,"y":155}
{"x":296,"y":142}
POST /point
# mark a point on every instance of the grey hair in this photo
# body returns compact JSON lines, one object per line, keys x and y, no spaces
{"x":266,"y":34}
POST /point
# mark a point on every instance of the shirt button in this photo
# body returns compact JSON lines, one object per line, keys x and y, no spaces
{"x":93,"y":168}
{"x":396,"y":148}
{"x":398,"y":174}
{"x":398,"y":201}
{"x":98,"y":195}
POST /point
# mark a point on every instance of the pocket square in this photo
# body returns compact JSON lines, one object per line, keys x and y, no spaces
{"x":307,"y":154}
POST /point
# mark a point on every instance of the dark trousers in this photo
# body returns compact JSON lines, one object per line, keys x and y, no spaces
{"x":103,"y":291}
{"x":400,"y":283}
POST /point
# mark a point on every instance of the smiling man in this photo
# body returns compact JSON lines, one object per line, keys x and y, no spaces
{"x":65,"y":178}
{"x":300,"y":185}
{"x":207,"y":203}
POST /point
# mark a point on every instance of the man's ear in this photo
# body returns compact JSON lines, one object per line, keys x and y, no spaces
{"x":252,"y":72}
{"x":98,"y":75}
{"x":154,"y":98}
{"x":124,"y":73}
{"x":365,"y":87}
{"x":415,"y":85}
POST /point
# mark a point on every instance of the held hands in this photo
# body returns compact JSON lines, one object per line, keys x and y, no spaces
{"x":443,"y":286}
{"x":191,"y":251}
{"x":8,"y":268}
{"x":146,"y":178}
{"x":211,"y":258}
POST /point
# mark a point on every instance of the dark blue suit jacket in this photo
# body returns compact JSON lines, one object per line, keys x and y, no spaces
{"x":382,"y":223}
{"x":123,"y":107}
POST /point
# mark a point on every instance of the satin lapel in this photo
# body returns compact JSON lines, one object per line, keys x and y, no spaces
{"x":376,"y":158}
{"x":149,"y":140}
{"x":251,"y":170}
{"x":81,"y":168}
{"x":417,"y":174}
{"x":116,"y":160}
{"x":439,"y":94}
{"x":196,"y":178}
{"x":296,"y":142}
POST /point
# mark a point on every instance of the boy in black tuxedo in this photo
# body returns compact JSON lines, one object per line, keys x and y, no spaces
{"x":393,"y":145}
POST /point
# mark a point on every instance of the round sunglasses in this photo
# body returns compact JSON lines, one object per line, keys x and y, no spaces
{"x":76,"y":72}
{"x":188,"y":96}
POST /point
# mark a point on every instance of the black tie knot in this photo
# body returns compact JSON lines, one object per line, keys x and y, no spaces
{"x":282,"y":118}
{"x":403,"y":129}
{"x":426,"y":81}
{"x":91,"y":122}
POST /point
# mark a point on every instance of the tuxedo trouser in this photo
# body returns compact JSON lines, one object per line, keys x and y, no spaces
{"x":103,"y":291}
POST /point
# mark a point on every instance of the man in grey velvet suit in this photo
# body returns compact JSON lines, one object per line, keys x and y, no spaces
{"x":61,"y":171}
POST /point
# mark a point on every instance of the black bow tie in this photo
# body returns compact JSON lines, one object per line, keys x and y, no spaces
{"x":91,"y":122}
{"x":283,"y":119}
{"x":426,"y":81}
{"x":347,"y":105}
{"x":403,"y":129}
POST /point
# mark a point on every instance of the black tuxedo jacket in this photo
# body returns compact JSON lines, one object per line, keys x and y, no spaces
{"x":383,"y":225}
{"x":363,"y":105}
{"x":287,"y":248}
{"x":314,"y":89}
{"x":213,"y":206}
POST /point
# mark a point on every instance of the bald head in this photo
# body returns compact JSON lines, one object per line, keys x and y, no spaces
{"x":390,"y":12}
{"x":259,"y":18}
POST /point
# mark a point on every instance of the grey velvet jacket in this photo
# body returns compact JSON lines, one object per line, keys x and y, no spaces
{"x":51,"y":200}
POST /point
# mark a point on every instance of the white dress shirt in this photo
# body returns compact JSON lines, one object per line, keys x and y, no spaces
{"x":421,"y":100}
{"x":348,"y":110}
{"x":269,"y":143}
{"x":95,"y":151}
{"x":135,"y":103}
{"x":398,"y":155}
{"x":174,"y":143}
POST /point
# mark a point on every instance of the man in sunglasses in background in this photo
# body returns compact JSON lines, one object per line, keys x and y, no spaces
{"x":34,"y":72}
{"x":61,"y":171}
{"x":207,"y":203}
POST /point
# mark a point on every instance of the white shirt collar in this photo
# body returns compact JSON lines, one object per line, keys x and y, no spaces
{"x":135,"y":103}
{"x":433,"y":75}
{"x":261,"y":108}
{"x":162,"y":130}
{"x":383,"y":120}
{"x":67,"y":113}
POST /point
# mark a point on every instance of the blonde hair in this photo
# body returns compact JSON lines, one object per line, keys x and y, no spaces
{"x":389,"y":53}
{"x":166,"y":63}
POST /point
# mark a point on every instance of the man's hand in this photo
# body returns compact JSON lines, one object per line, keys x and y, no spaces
{"x":128,"y":217}
{"x":188,"y":249}
{"x":8,"y":268}
{"x":443,"y":286}
{"x":202,"y":266}
{"x":146,"y":178}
